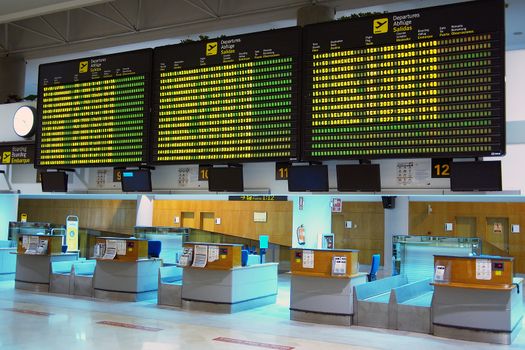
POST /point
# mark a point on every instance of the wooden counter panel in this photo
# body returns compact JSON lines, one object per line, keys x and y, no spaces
{"x":227,"y":261}
{"x":462,"y":270}
{"x":54,"y":244}
{"x":323,"y":263}
{"x":136,"y":249}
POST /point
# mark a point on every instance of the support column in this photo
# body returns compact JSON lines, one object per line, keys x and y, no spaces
{"x":144,"y":211}
{"x":396,"y":223}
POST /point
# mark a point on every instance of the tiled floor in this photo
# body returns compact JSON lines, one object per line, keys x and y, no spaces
{"x":72,"y":324}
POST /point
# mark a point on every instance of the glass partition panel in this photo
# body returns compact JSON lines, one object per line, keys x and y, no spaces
{"x":414,"y":255}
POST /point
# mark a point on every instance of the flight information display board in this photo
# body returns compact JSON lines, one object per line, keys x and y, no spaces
{"x":94,"y":111}
{"x":231,"y":99}
{"x":420,"y":83}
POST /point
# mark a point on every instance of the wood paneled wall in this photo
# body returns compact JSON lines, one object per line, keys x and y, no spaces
{"x":368,"y":231}
{"x":473,"y":220}
{"x":236,"y":217}
{"x":104,"y":215}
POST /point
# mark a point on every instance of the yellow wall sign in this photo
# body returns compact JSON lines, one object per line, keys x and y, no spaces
{"x":380,"y":25}
{"x":6,"y":157}
{"x":23,"y":217}
{"x":211,"y":48}
{"x":83,"y":66}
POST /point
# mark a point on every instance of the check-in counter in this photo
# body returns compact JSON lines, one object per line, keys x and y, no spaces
{"x":476,"y":298}
{"x":128,"y":274}
{"x":322,"y":285}
{"x":35,"y":253}
{"x":218,"y":282}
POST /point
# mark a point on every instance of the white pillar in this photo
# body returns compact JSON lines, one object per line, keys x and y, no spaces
{"x":396,"y":223}
{"x":144,"y":211}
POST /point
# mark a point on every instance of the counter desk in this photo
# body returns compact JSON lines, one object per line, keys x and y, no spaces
{"x":129,"y":275}
{"x":35,"y":253}
{"x":223,"y":285}
{"x":322,"y":285}
{"x":476,"y":298}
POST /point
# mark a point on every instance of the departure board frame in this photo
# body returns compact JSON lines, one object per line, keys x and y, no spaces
{"x":207,"y":91}
{"x":422,"y":83}
{"x":94,"y":111}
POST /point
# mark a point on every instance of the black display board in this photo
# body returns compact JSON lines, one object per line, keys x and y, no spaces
{"x":420,"y":83}
{"x":227,"y":99}
{"x":313,"y":178}
{"x":54,"y":181}
{"x":476,"y":176}
{"x":358,"y":177}
{"x":136,"y":180}
{"x":226,"y":179}
{"x":94,"y":111}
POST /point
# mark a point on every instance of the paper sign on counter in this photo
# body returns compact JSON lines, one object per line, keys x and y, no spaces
{"x":32,"y":245}
{"x":200,"y":256}
{"x":338,"y":265}
{"x":483,"y":269}
{"x":213,"y":253}
{"x":110,"y":253}
{"x":121,"y":247}
{"x":308,"y":259}
{"x":439,"y":273}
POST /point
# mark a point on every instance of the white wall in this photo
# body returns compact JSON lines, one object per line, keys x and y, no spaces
{"x":315,"y":216}
{"x":515,"y":84}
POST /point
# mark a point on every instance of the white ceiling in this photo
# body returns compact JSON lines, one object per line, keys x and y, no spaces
{"x":40,"y":28}
{"x":14,"y":10}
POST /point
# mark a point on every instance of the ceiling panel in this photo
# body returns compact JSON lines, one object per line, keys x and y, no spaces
{"x":83,"y":25}
{"x":159,"y":13}
{"x":14,"y":10}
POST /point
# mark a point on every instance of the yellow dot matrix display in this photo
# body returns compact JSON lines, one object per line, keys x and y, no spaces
{"x":428,"y":97}
{"x":93,"y":122}
{"x":239,"y":111}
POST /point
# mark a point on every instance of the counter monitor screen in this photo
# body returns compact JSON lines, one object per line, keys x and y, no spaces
{"x":54,"y":181}
{"x":475,"y":176}
{"x":136,"y":181}
{"x":358,"y":177}
{"x":420,"y":83}
{"x":313,"y":178}
{"x":225,"y":179}
{"x":94,"y":111}
{"x":227,"y":99}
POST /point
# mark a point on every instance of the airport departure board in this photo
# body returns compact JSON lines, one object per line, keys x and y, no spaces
{"x":230,"y":99}
{"x":94,"y":111}
{"x":420,"y":83}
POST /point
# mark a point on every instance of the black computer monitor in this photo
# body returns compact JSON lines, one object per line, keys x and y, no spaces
{"x":225,"y":179}
{"x":358,"y":177}
{"x":475,"y":176}
{"x":312,"y":178}
{"x":54,"y":181}
{"x":136,"y":180}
